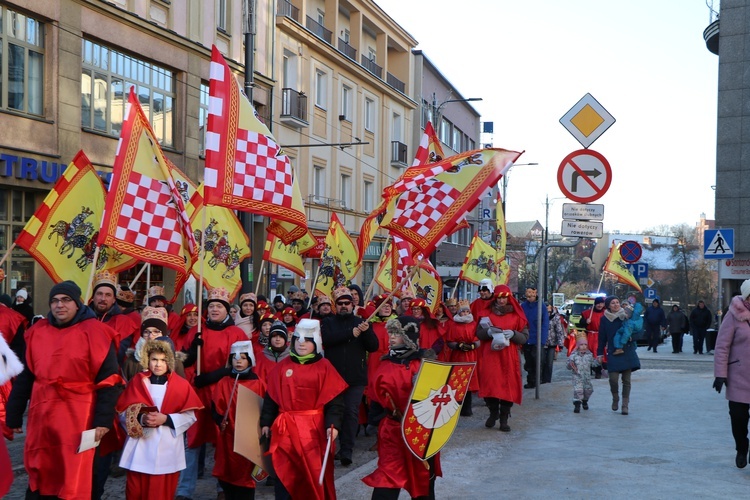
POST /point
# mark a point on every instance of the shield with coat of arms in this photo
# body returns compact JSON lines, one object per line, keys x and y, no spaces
{"x":435,"y":405}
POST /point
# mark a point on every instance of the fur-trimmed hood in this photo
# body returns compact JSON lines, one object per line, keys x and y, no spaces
{"x":738,"y":309}
{"x":158,"y":346}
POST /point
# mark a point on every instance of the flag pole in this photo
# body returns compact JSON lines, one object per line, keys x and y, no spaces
{"x":260,"y":278}
{"x":137,"y":276}
{"x":315,"y":285}
{"x":199,"y":298}
{"x":455,"y":288}
{"x":148,"y":280}
{"x":91,"y":275}
{"x":398,"y":287}
{"x":7,"y":254}
{"x":372,"y":283}
{"x":600,"y":282}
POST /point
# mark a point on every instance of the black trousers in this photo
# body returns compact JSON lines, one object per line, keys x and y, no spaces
{"x":739,"y":415}
{"x":234,"y":492}
{"x":654,"y":335}
{"x":699,"y":334}
{"x":677,"y":342}
{"x":529,"y":364}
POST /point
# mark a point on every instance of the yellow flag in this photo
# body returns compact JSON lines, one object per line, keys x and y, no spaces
{"x":615,"y":265}
{"x":343,"y":247}
{"x":286,"y":256}
{"x":428,"y":285}
{"x":479,"y":263}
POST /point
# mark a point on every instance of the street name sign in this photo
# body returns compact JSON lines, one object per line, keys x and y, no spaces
{"x":582,"y":228}
{"x":584,"y":175}
{"x":583,"y":211}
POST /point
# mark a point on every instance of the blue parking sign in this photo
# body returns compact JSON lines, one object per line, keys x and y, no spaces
{"x":649,"y":293}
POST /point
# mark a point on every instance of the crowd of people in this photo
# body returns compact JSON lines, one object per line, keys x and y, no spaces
{"x":154,"y":387}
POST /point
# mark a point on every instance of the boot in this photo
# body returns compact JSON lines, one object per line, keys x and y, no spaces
{"x":466,"y":406}
{"x":577,"y":405}
{"x":504,"y":414}
{"x":624,"y":406}
{"x":615,"y":401}
{"x":494,"y":414}
{"x":585,"y":404}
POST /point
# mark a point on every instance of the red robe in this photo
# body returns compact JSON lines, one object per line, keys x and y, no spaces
{"x":466,"y":333}
{"x":592,"y":329}
{"x":397,"y":466}
{"x":124,"y":326}
{"x":232,"y":467}
{"x":429,"y":334}
{"x":481,"y":307}
{"x":65,"y":362}
{"x":214,"y":355}
{"x":373,"y":358}
{"x":10,"y":322}
{"x":500,"y":371}
{"x":298,"y":435}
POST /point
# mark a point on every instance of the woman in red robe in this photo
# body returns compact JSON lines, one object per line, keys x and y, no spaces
{"x":430,"y":336}
{"x":391,"y":387}
{"x":303,"y":409}
{"x":500,"y":369}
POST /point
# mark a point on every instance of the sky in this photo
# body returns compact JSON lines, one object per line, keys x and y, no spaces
{"x":645,"y":62}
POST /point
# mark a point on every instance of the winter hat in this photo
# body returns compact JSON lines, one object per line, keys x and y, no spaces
{"x":407,"y":327}
{"x":188,"y":308}
{"x":68,"y":288}
{"x":262,"y":306}
{"x":342,"y":292}
{"x":745,"y":289}
{"x":242,"y":347}
{"x":105,"y":278}
{"x":418,"y":303}
{"x":278,"y":328}
{"x":156,"y":293}
{"x":289,"y":310}
{"x":609,"y":300}
{"x":163,"y":345}
{"x":485,"y":283}
{"x":155,"y":317}
{"x":309,"y":329}
{"x":599,"y":300}
{"x":266,"y":316}
{"x":22,"y":293}
{"x":5,"y":299}
{"x":379,"y":299}
{"x":278,"y":298}
{"x":293,"y":289}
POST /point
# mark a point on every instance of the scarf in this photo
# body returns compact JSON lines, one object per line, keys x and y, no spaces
{"x":463,"y":319}
{"x":401,"y":352}
{"x":303,"y":359}
{"x":620,"y":314}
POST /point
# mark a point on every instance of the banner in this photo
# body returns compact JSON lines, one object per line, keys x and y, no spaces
{"x":479,"y":262}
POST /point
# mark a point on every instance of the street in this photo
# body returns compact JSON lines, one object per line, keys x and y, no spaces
{"x":676,"y":443}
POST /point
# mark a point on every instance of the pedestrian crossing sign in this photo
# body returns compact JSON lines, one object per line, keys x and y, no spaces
{"x":718,"y":244}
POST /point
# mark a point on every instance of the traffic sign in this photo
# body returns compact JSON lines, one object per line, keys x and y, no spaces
{"x":650,"y":282}
{"x":582,"y":228}
{"x":649,"y":294}
{"x":583,"y":211}
{"x":587,"y":120}
{"x":631,"y":251}
{"x":584,"y":175}
{"x":639,"y":270}
{"x":718,"y":243}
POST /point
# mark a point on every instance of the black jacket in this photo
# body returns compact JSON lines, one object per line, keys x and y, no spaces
{"x":347,"y":353}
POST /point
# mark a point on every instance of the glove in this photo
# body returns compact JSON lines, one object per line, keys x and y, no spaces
{"x":719,"y":382}
{"x":461,"y":346}
{"x":201,"y":380}
{"x":485,"y":323}
{"x":197,"y":342}
{"x":508,"y":334}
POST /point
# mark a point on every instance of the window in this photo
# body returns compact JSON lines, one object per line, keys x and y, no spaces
{"x":16,"y":208}
{"x":369,"y":114}
{"x":221,"y":15}
{"x":445,"y":131}
{"x":22,"y":68}
{"x":396,"y":127}
{"x":472,"y":145}
{"x":346,"y":191}
{"x":372,"y":55}
{"x":289,"y":70}
{"x":319,"y":178}
{"x":106,"y":80}
{"x":346,"y":35}
{"x":202,"y":118}
{"x":321,"y":18}
{"x":456,"y":144}
{"x":346,"y":102}
{"x":321,"y":89}
{"x":369,"y":196}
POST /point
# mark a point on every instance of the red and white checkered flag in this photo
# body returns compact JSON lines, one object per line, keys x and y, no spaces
{"x":144,"y":214}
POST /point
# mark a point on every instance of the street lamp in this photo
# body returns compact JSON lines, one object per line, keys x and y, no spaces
{"x":438,"y":108}
{"x":505,"y":180}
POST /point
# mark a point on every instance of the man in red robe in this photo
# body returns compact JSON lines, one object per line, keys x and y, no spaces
{"x":480,"y":307}
{"x":72,"y":379}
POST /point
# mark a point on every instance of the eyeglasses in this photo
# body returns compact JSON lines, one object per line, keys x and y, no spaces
{"x":64,"y":301}
{"x":148,"y":332}
{"x":344,"y":303}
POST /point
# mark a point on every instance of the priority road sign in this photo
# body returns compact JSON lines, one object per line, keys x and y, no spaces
{"x":718,"y":243}
{"x":587,"y":120}
{"x":584,"y":175}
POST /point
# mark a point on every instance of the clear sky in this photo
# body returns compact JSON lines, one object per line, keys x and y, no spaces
{"x":530,"y":61}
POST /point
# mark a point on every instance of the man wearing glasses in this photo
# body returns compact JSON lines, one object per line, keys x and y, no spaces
{"x":72,"y":379}
{"x":347,"y":339}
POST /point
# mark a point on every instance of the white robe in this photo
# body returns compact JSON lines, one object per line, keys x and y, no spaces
{"x":161,"y":450}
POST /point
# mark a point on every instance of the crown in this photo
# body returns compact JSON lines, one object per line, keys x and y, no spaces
{"x":341,"y":292}
{"x":464,"y":304}
{"x":219,"y":293}
{"x":248,"y":296}
{"x":156,"y":291}
{"x":158,"y":313}
{"x":125,"y":295}
{"x":105,"y":278}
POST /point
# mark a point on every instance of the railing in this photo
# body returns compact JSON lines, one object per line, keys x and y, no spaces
{"x":286,"y":9}
{"x":319,"y":30}
{"x":398,"y":153}
{"x":347,"y":50}
{"x":373,"y":68}
{"x":293,"y":104}
{"x":395,"y":83}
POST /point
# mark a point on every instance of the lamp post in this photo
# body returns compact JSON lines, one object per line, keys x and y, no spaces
{"x":505,"y":180}
{"x":438,"y":108}
{"x":546,"y":238}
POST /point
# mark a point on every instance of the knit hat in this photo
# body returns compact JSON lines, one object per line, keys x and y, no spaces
{"x":262,"y":306}
{"x":242,"y":347}
{"x":745,"y":289}
{"x":5,"y":299}
{"x":379,"y":299}
{"x":156,"y":317}
{"x":248,"y":297}
{"x":293,"y":289}
{"x":221,"y":295}
{"x":156,"y":293}
{"x":22,"y":293}
{"x":289,"y":310}
{"x":267,"y":317}
{"x":407,"y":327}
{"x":105,"y":278}
{"x":609,"y":300}
{"x":68,"y":288}
{"x":188,"y":308}
{"x":161,"y":344}
{"x":599,"y":300}
{"x":278,"y":298}
{"x":278,"y":328}
{"x":418,"y":303}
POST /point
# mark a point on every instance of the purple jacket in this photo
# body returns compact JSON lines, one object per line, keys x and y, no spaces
{"x":732,"y":354}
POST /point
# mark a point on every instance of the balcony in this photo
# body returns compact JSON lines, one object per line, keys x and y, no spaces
{"x":347,"y":50}
{"x":372,"y":67}
{"x":293,"y":108}
{"x":319,"y":30}
{"x":711,"y":36}
{"x":286,"y":9}
{"x":398,"y":154}
{"x":395,"y":83}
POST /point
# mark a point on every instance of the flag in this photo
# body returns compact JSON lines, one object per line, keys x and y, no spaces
{"x":245,"y":167}
{"x":615,"y":265}
{"x":62,"y":234}
{"x":501,"y":239}
{"x":402,"y":259}
{"x":286,"y":256}
{"x":424,"y":216}
{"x":144,"y":215}
{"x":427,"y":284}
{"x":384,"y":273}
{"x":343,"y":247}
{"x":479,"y":263}
{"x":429,"y":151}
{"x":224,"y":241}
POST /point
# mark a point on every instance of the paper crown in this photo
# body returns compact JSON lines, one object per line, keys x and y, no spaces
{"x":220,"y":294}
{"x":406,"y":294}
{"x":298,"y":296}
{"x":105,"y":278}
{"x":156,"y":291}
{"x":125,"y":294}
{"x":155,"y":313}
{"x":450,"y":302}
{"x":342,"y":292}
{"x":323,"y":299}
{"x":248,"y":296}
{"x":464,"y":304}
{"x":582,"y":338}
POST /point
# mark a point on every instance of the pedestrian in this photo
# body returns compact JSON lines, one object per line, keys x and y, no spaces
{"x":730,"y":357}
{"x":404,"y":305}
{"x":461,"y":339}
{"x":278,"y":304}
{"x":481,"y":306}
{"x":302,"y":411}
{"x":677,"y":326}
{"x":531,"y":310}
{"x":72,"y":382}
{"x":499,"y":362}
{"x":22,"y":304}
{"x":655,"y":321}
{"x":430,"y":336}
{"x":391,"y":387}
{"x":621,"y":366}
{"x":156,"y":409}
{"x":289,"y":318}
{"x":555,"y":340}
{"x":10,"y":367}
{"x":580,"y":363}
{"x":247,"y":318}
{"x":153,"y":326}
{"x":233,"y":471}
{"x":631,"y":327}
{"x":700,"y":320}
{"x":275,"y":352}
{"x":384,"y":306}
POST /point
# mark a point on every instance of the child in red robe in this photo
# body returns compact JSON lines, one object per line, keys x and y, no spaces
{"x":302,"y":411}
{"x":234,"y":472}
{"x":462,"y":340}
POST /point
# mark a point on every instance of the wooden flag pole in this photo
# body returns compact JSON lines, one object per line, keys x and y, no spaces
{"x":91,"y":275}
{"x":372,"y":283}
{"x":260,"y":278}
{"x":137,"y":276}
{"x":199,"y":298}
{"x":148,"y":279}
{"x":455,"y":288}
{"x":397,"y":287}
{"x":7,"y":254}
{"x":315,"y":284}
